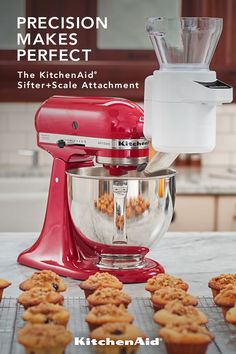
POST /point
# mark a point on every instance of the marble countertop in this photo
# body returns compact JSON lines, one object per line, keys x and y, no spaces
{"x":196,"y":257}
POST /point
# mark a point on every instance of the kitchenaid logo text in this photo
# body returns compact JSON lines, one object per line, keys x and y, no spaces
{"x":133,"y":144}
{"x":82,"y":341}
{"x":46,"y":33}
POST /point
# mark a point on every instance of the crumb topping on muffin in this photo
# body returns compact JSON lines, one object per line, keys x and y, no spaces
{"x":165,"y":295}
{"x":101,"y":279}
{"x":42,"y":336}
{"x":222,"y":281}
{"x":37,"y":295}
{"x":46,"y":279}
{"x":175,"y":311}
{"x":185,"y":333}
{"x":4,"y":284}
{"x":227,"y":296}
{"x":109,"y":313}
{"x":165,"y":280}
{"x":108,"y":295}
{"x":177,"y":308}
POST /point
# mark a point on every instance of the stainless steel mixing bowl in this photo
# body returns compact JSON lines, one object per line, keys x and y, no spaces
{"x":131,"y":210}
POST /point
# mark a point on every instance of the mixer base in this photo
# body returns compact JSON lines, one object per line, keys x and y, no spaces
{"x":82,"y":270}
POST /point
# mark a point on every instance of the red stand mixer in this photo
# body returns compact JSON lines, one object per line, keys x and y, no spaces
{"x":107,"y":216}
{"x":102,"y":214}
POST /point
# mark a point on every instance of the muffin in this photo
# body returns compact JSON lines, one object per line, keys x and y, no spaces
{"x":160,"y":281}
{"x":188,"y":338}
{"x":44,"y":338}
{"x":226,"y":298}
{"x":100,"y":315}
{"x":47,"y":313}
{"x":231,"y":316}
{"x":44,"y":279}
{"x":216,"y":284}
{"x":117,"y":331}
{"x":3,"y":284}
{"x":176,"y":312}
{"x":161,"y":297}
{"x":100,"y":280}
{"x":36,"y":296}
{"x":105,"y":296}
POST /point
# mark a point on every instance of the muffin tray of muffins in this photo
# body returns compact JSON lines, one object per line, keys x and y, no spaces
{"x":42,"y":321}
{"x":141,"y":308}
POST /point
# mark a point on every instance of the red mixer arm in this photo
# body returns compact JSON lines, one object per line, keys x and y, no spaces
{"x":55,"y":246}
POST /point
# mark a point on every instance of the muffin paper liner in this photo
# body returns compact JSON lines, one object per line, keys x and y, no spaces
{"x":117,"y":349}
{"x":215,"y":292}
{"x":172,"y":348}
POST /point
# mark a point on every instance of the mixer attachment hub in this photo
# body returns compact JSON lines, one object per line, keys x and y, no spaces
{"x":122,"y":261}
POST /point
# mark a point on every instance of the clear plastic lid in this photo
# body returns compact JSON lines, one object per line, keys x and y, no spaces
{"x":184,"y":42}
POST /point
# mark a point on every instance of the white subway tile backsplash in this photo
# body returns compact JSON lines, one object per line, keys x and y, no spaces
{"x":4,"y":158}
{"x":45,"y":158}
{"x":22,"y":122}
{"x":16,"y":159}
{"x":226,"y":143}
{"x":31,"y":108}
{"x":12,"y":107}
{"x":216,"y":159}
{"x":4,"y":124}
{"x":31,"y":140}
{"x":233,"y":160}
{"x":12,"y":141}
{"x":226,"y":108}
{"x":17,"y":131}
{"x":234,"y":124}
{"x":224,"y":123}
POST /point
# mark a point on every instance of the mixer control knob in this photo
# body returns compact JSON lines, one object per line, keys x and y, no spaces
{"x":61,"y":144}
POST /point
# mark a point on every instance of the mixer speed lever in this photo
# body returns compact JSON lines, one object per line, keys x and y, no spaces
{"x":62,"y":143}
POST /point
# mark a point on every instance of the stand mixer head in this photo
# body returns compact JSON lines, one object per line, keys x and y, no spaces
{"x":109,"y":131}
{"x":102,"y":214}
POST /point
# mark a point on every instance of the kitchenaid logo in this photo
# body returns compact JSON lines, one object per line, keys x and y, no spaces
{"x":82,"y":341}
{"x":135,"y":144}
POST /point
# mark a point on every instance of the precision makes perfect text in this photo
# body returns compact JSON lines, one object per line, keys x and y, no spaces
{"x":57,"y":37}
